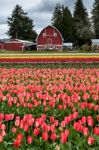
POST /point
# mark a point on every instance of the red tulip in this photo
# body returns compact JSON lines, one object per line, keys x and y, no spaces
{"x":14,"y":130}
{"x":56,"y":122}
{"x":83,"y":119}
{"x":52,"y":128}
{"x":67,"y":132}
{"x":45,"y":136}
{"x":98,"y":118}
{"x":19,"y":137}
{"x":1,"y":138}
{"x":85,"y":131}
{"x":75,"y":115}
{"x":29,"y":139}
{"x":63,"y":124}
{"x":1,"y":116}
{"x":3,"y":126}
{"x":96,"y":130}
{"x":7,"y":117}
{"x":26,"y":127}
{"x":91,"y":140}
{"x":52,"y":119}
{"x":53,"y":136}
{"x":36,"y":131}
{"x":17,"y":122}
{"x":60,"y":107}
{"x":44,"y":127}
{"x":17,"y":143}
{"x":90,"y":121}
{"x":63,"y":138}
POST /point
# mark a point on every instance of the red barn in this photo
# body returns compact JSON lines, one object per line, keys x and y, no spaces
{"x":49,"y":38}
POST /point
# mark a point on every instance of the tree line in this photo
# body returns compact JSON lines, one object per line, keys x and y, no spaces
{"x":76,"y":27}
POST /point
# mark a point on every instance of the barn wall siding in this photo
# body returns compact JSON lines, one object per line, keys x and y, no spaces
{"x":2,"y":46}
{"x":13,"y":46}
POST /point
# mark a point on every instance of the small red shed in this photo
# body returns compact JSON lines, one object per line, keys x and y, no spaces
{"x":49,"y":38}
{"x":2,"y":45}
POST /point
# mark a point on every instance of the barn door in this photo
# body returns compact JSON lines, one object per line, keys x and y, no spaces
{"x":49,"y":43}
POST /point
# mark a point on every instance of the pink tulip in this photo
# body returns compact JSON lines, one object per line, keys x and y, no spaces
{"x":91,"y":140}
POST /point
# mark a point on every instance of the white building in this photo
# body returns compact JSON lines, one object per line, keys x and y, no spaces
{"x":68,"y":45}
{"x":95,"y":42}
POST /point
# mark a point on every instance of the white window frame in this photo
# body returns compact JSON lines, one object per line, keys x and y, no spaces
{"x":44,"y":34}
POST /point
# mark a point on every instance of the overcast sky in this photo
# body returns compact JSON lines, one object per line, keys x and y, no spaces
{"x":39,"y":10}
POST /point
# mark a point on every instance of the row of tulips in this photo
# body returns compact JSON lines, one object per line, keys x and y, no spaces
{"x":48,"y":59}
{"x":29,"y":128}
{"x":53,"y":106}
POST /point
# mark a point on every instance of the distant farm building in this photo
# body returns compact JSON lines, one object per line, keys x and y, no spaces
{"x":95,"y":42}
{"x":68,"y":46}
{"x":2,"y":45}
{"x":17,"y":45}
{"x":49,"y":39}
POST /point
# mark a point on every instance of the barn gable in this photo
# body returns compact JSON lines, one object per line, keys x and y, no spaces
{"x":49,"y":38}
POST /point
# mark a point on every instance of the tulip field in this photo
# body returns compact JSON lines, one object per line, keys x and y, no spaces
{"x":50,"y":58}
{"x":49,"y":101}
{"x":49,"y":109}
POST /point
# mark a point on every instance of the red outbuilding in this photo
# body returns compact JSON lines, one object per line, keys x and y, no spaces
{"x":2,"y":45}
{"x":17,"y":45}
{"x":49,"y":38}
{"x":13,"y":44}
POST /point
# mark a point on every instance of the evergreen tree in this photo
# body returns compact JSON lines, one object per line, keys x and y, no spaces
{"x":95,"y":17}
{"x":62,"y":20}
{"x":67,"y":25}
{"x":82,"y":31}
{"x":20,"y":25}
{"x":57,"y":17}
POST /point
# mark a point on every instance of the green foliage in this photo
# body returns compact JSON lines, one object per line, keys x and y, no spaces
{"x":61,"y":65}
{"x":57,"y":17}
{"x":95,"y":17}
{"x":82,"y":27}
{"x":63,"y":21}
{"x":67,"y":25}
{"x":20,"y":25}
{"x":85,"y":48}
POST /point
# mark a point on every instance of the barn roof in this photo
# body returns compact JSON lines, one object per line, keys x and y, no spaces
{"x":1,"y":42}
{"x":95,"y":41}
{"x":52,"y":27}
{"x":68,"y":44}
{"x":25,"y":42}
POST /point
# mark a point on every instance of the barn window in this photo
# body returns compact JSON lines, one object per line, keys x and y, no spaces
{"x":55,"y":34}
{"x":44,"y":34}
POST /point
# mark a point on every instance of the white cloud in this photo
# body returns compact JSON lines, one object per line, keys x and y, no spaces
{"x":39,"y":10}
{"x":3,"y":31}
